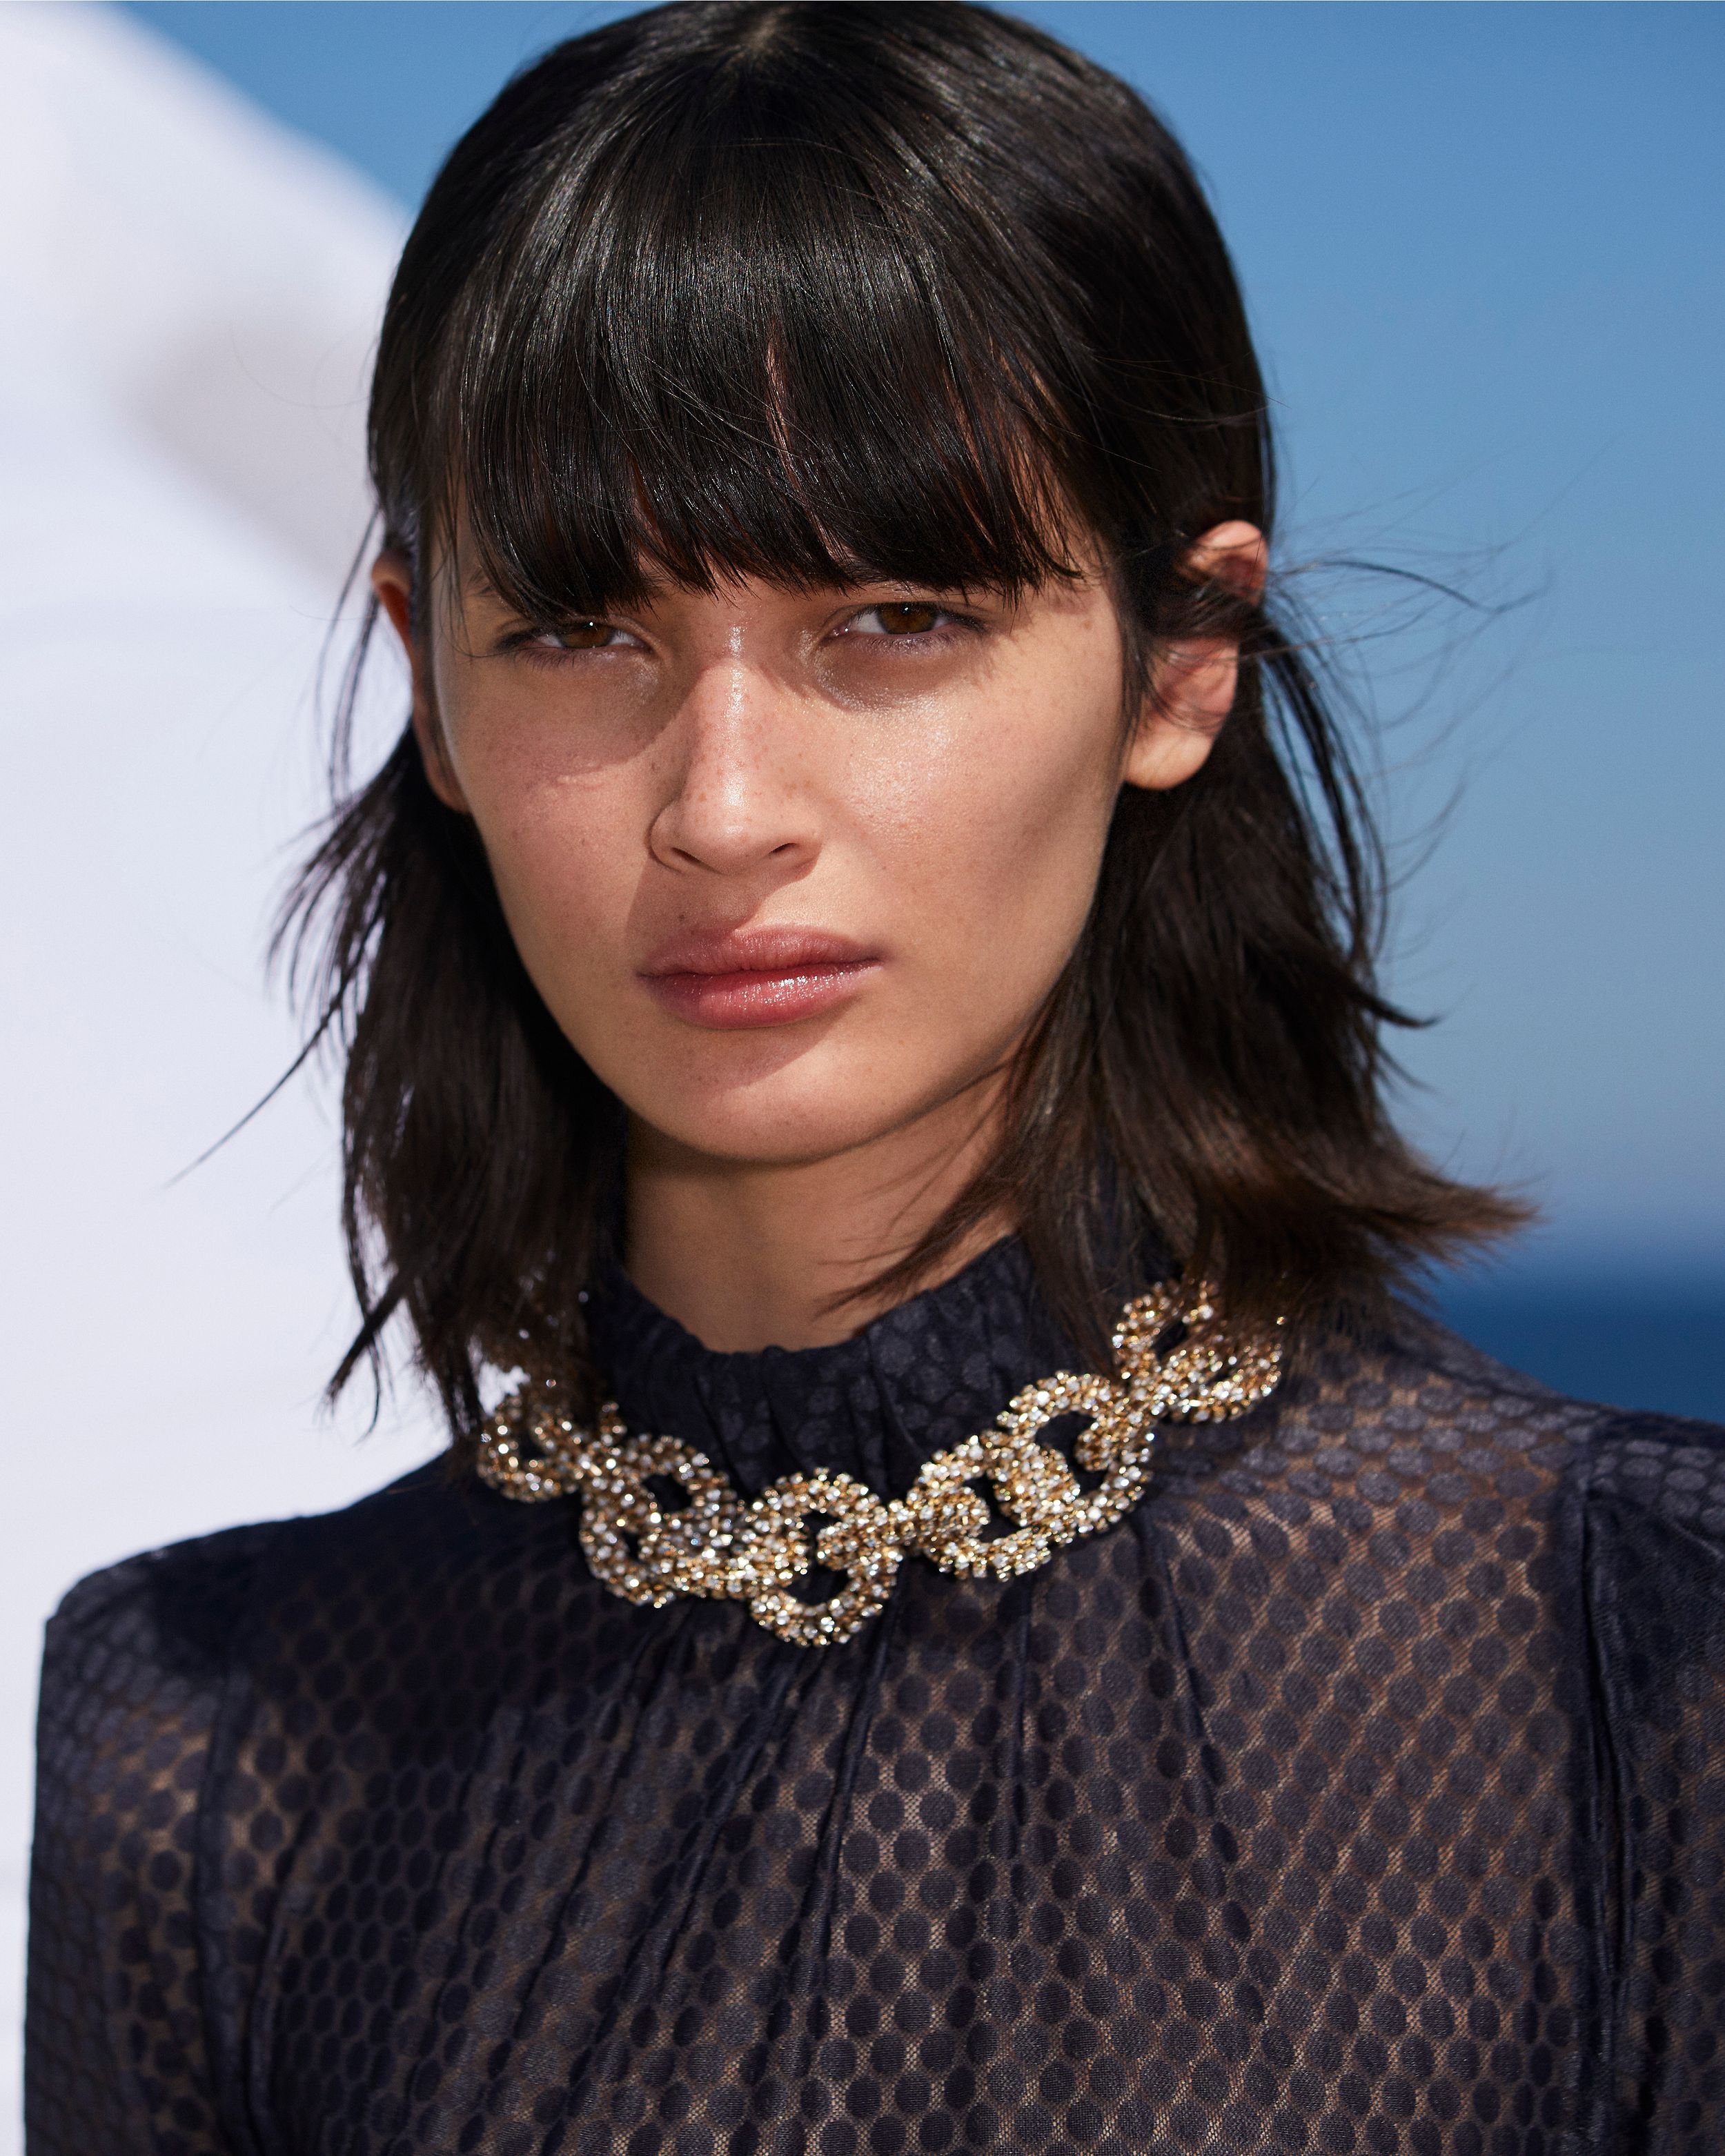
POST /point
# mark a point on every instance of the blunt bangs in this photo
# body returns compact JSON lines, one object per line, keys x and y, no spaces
{"x":704,"y":338}
{"x":730,"y":351}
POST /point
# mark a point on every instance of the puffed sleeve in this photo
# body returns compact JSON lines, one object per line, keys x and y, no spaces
{"x":1655,"y":1563}
{"x":118,"y":2034}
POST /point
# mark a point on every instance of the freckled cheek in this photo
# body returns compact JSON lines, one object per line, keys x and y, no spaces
{"x":1001,"y":845}
{"x":565,"y":873}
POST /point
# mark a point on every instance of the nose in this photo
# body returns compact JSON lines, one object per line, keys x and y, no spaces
{"x":737,"y":801}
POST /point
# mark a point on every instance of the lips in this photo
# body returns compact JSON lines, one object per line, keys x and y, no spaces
{"x":729,"y":980}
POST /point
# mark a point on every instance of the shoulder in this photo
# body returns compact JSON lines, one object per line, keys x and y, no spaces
{"x":1643,"y":1493}
{"x":1654,"y":1506}
{"x":1667,"y":1466}
{"x":134,"y":1659}
{"x":165,"y":1623}
{"x":1608,"y":1449}
{"x":152,"y":1668}
{"x":1412,"y":1425}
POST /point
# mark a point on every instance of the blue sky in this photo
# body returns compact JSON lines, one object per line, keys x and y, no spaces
{"x":1481,"y":245}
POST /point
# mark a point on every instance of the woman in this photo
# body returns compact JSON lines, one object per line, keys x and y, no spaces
{"x":964,"y":1612}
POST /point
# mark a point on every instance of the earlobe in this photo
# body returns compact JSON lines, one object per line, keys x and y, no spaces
{"x":392,"y":581}
{"x":1195,"y":679}
{"x":1166,"y":750}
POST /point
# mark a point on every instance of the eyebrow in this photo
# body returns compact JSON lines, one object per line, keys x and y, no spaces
{"x":476,"y":583}
{"x":849,"y":577}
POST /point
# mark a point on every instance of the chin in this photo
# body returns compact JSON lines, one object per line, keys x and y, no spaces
{"x":808,"y":1109}
{"x":780,"y":1098}
{"x":777,"y":1096}
{"x":775,"y":1127}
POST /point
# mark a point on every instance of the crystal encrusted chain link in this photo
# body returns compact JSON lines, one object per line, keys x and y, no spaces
{"x":718,"y":1543}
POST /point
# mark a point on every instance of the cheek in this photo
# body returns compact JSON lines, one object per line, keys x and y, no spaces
{"x":564,"y":848}
{"x":1003,"y":837}
{"x":564,"y":873}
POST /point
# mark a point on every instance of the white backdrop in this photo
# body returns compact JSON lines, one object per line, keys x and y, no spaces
{"x":187,"y":298}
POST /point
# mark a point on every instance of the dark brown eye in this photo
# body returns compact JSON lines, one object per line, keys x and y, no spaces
{"x":580,"y":635}
{"x":914,"y":618}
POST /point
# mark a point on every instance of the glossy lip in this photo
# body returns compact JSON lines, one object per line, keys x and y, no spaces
{"x":729,"y":980}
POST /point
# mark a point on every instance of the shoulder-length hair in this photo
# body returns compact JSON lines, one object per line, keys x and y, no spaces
{"x":801,"y":291}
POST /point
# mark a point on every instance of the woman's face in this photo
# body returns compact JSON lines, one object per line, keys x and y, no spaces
{"x":790,"y":869}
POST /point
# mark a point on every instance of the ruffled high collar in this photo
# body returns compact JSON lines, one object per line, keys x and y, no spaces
{"x":916,"y":1380}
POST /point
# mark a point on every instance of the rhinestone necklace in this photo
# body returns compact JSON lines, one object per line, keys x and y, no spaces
{"x":718,"y":1543}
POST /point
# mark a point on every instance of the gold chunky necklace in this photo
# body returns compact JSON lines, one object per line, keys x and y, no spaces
{"x":719,"y":1544}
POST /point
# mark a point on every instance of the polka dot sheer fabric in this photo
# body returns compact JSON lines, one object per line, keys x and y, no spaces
{"x":1363,"y":1791}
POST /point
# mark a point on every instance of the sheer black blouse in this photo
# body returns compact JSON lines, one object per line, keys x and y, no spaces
{"x":1363,"y":1791}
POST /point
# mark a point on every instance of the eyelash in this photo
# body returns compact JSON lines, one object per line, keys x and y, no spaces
{"x":528,"y":641}
{"x":948,"y":621}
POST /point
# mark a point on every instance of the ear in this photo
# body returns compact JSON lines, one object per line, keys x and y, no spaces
{"x":1191,"y":689}
{"x":392,"y":581}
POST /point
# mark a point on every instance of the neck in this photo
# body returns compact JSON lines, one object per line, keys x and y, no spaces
{"x":748,"y":1254}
